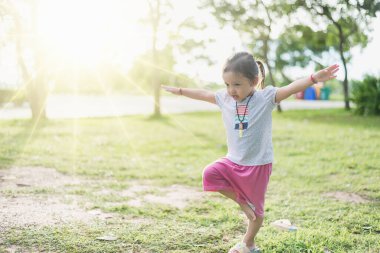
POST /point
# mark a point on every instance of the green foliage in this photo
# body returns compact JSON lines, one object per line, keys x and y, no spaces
{"x":16,"y":96}
{"x":336,"y":29}
{"x":141,"y":73}
{"x":366,"y":95}
{"x":194,"y":49}
{"x":300,"y":45}
{"x":252,"y":19}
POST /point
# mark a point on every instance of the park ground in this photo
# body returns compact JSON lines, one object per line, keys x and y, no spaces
{"x":134,"y":184}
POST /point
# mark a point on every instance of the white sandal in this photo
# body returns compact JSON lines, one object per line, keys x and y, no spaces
{"x":241,"y":247}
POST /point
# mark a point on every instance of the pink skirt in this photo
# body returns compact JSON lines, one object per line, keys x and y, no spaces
{"x":249,"y":183}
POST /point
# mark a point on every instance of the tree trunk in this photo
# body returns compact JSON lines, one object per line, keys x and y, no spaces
{"x":345,"y":86}
{"x":155,"y":15}
{"x":345,"y":81}
{"x":266,"y":49}
{"x":156,"y":80}
{"x":37,"y":94}
{"x":36,"y":87}
{"x":279,"y":109}
{"x":341,"y":42}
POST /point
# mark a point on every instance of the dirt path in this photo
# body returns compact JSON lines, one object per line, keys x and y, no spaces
{"x":36,"y":196}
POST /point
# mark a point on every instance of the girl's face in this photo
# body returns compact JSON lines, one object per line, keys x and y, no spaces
{"x":238,"y":86}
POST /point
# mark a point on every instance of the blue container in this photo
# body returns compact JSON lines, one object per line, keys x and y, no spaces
{"x":310,"y":94}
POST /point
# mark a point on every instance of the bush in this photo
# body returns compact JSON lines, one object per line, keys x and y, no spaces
{"x":18,"y":97}
{"x":366,"y":95}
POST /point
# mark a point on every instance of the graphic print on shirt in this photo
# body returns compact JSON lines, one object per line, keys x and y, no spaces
{"x":241,"y":117}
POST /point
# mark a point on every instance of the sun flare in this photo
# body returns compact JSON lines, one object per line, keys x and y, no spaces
{"x":85,"y":33}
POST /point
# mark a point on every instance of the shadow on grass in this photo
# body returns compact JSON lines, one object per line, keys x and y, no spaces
{"x":160,"y":119}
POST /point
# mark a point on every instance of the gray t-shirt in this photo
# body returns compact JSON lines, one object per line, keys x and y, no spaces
{"x":255,"y":145}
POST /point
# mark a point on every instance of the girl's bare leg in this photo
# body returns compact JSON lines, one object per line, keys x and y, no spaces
{"x":252,"y":230}
{"x":255,"y":222}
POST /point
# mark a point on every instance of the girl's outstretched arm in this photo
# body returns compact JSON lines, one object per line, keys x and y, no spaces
{"x":301,"y":84}
{"x":198,"y":94}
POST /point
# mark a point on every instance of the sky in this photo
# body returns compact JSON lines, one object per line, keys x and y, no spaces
{"x":109,"y":25}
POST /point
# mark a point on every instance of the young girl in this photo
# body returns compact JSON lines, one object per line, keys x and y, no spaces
{"x":246,"y":107}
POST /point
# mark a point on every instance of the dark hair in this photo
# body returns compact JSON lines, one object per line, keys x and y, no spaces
{"x":245,"y":64}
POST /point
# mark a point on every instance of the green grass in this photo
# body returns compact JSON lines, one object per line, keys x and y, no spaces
{"x":315,"y":152}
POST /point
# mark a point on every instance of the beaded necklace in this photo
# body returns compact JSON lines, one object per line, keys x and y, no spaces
{"x":241,"y":120}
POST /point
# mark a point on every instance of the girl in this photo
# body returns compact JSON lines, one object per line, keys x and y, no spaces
{"x":246,"y":108}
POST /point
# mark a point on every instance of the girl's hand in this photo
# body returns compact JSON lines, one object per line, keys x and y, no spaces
{"x":326,"y":74}
{"x":174,"y":90}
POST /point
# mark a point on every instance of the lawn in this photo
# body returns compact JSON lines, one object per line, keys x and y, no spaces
{"x":318,"y":154}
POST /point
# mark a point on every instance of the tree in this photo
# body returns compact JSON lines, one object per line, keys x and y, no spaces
{"x":155,"y":19}
{"x":254,"y":21}
{"x":346,"y":24}
{"x":158,"y":17}
{"x":25,"y":37}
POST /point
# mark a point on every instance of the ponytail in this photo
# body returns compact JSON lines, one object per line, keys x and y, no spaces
{"x":261,"y":84}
